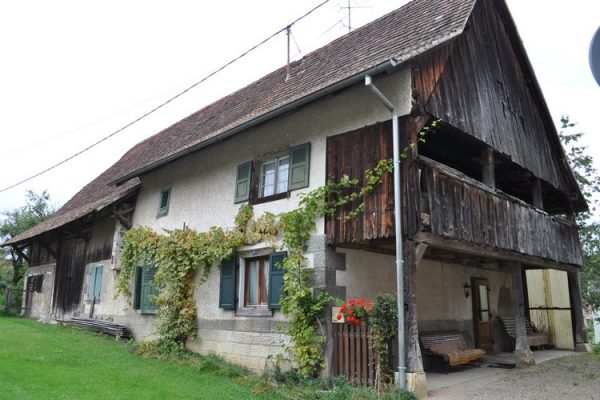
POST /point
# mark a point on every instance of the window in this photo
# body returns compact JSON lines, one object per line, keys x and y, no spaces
{"x":252,"y":283}
{"x":163,"y":205}
{"x":94,"y":283}
{"x":273,"y":178}
{"x":145,"y":291}
{"x":256,"y":275}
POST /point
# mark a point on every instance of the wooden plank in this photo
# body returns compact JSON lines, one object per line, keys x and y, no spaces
{"x":487,"y":164}
{"x":346,"y":361}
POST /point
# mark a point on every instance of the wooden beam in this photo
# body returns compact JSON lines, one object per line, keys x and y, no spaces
{"x":121,"y":216}
{"x":420,"y":250}
{"x":20,"y":253}
{"x":487,"y":164}
{"x":481,"y":250}
{"x":521,"y":343}
{"x":536,"y":194}
{"x":49,"y":249}
{"x":414,"y":360}
{"x":576,"y":307}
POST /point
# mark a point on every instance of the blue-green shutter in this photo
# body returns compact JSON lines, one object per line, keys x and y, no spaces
{"x":227,"y":285}
{"x":242,"y":182}
{"x":98,"y":282}
{"x":276,"y":278}
{"x":299,"y":166}
{"x":94,"y":283}
{"x":91,"y":277}
{"x":137,"y":289}
{"x":149,"y":291}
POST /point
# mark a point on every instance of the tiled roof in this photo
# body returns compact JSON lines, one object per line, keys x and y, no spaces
{"x":95,"y":196}
{"x":411,"y":30}
{"x":402,"y":34}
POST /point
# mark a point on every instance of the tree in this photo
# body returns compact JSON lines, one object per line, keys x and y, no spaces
{"x":36,"y":209}
{"x":589,"y":230}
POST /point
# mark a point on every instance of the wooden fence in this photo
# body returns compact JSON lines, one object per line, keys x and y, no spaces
{"x":354,"y":355}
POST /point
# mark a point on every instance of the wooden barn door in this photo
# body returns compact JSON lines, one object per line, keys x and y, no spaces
{"x":69,"y":277}
{"x":482,"y":327}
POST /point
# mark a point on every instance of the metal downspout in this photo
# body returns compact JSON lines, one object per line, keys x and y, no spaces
{"x":401,"y":382}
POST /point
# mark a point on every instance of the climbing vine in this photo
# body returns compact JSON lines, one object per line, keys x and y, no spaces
{"x":182,"y":254}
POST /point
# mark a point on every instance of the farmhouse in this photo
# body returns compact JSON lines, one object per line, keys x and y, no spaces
{"x":485,"y":198}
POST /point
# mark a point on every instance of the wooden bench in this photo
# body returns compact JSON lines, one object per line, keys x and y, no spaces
{"x":447,"y":349}
{"x":534,"y":338}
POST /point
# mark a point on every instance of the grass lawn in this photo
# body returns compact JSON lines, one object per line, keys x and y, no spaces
{"x":39,"y":361}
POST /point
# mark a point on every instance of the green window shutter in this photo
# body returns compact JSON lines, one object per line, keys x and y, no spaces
{"x":227,"y":285}
{"x":242,"y":182}
{"x":299,"y":166}
{"x":149,"y":291}
{"x":137,"y":289}
{"x":91,"y":283}
{"x":276,"y":278}
{"x":97,"y":282}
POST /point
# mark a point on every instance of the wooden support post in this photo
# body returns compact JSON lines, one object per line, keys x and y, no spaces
{"x":580,"y":336}
{"x":487,"y":164}
{"x":523,"y":354}
{"x":536,"y":194}
{"x":415,"y":376}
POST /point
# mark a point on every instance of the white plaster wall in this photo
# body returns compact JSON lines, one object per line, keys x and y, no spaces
{"x":202,"y":195}
{"x":596,"y":320}
{"x":202,"y":184}
{"x":441,"y":303}
{"x":109,"y":304}
{"x":41,"y":303}
{"x":367,"y":274}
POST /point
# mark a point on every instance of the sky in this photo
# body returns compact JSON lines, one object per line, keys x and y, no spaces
{"x":72,"y":71}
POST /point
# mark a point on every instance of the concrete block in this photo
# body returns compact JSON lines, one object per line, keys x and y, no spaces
{"x":524,"y":358}
{"x":416,"y":382}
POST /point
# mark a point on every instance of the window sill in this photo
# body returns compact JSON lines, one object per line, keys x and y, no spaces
{"x":267,"y":199}
{"x":148,"y":312}
{"x":260,"y":311}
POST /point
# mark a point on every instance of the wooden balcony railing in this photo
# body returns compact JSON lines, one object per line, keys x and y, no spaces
{"x":464,"y":209}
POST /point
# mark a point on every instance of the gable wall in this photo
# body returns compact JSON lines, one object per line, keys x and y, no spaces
{"x":483,"y":91}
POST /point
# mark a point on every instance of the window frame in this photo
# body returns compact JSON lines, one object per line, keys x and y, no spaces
{"x":261,"y":183}
{"x":139,"y":290}
{"x":253,"y":181}
{"x":162,"y":211}
{"x":242,"y":308}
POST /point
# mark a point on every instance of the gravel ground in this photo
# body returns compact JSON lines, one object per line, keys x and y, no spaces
{"x":572,"y":377}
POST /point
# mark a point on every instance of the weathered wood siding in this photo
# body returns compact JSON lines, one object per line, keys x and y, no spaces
{"x":70,"y":271}
{"x":478,"y":84}
{"x":463,"y":209}
{"x":351,"y":154}
{"x":101,"y":240}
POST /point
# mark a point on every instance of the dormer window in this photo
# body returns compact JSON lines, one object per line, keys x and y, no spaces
{"x":163,"y":205}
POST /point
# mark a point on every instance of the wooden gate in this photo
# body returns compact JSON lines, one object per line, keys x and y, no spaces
{"x":354,"y":355}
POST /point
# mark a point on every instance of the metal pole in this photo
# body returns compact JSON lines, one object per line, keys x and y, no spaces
{"x":401,"y":382}
{"x":288,"y":31}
